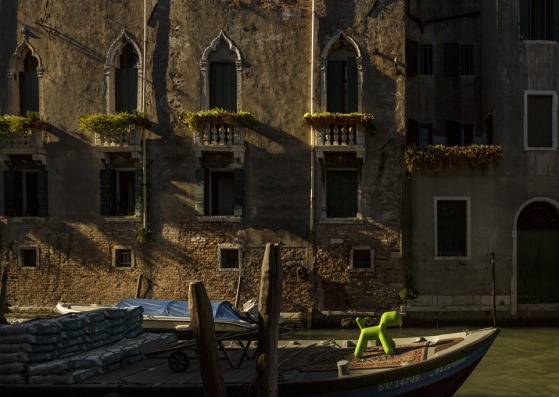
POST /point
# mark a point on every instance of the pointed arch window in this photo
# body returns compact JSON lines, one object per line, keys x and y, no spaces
{"x":123,"y":75}
{"x":341,"y":75}
{"x":220,"y":75}
{"x":24,"y":77}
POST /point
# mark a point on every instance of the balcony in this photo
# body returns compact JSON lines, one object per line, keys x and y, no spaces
{"x":339,"y":132}
{"x":23,"y":136}
{"x":218,"y":130}
{"x":115,"y":133}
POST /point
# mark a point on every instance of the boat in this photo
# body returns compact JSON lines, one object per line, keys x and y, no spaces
{"x":418,"y":366}
{"x":161,"y":315}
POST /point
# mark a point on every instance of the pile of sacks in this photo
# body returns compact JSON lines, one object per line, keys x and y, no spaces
{"x":71,"y":348}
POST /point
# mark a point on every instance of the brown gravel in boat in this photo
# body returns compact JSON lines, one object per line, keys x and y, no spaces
{"x":325,"y":358}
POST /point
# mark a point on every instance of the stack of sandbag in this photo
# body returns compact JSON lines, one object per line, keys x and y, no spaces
{"x":71,"y":348}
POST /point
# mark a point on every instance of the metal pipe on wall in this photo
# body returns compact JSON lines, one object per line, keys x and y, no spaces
{"x":311,"y":209}
{"x":144,"y":145}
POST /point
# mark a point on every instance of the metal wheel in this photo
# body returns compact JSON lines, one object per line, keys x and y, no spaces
{"x":178,"y":361}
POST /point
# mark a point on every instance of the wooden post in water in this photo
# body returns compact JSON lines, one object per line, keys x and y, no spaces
{"x":3,"y":292}
{"x":238,"y":295}
{"x":203,"y":328}
{"x":269,"y":305}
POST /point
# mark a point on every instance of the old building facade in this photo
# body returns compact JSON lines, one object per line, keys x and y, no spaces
{"x":85,"y":213}
{"x":183,"y":194}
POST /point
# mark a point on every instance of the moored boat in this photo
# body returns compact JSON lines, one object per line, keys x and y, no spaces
{"x":171,"y":315}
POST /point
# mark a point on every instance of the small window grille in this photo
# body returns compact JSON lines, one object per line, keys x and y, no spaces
{"x":123,"y":258}
{"x":425,"y":59}
{"x":466,"y":60}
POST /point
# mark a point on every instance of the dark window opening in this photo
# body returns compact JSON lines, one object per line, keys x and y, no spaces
{"x":25,"y":193}
{"x":29,"y":85}
{"x":28,"y":257}
{"x":452,"y":228}
{"x":466,"y":60}
{"x":540,"y":121}
{"x":342,"y":86}
{"x":361,"y":259}
{"x":219,"y":192}
{"x":229,"y":258}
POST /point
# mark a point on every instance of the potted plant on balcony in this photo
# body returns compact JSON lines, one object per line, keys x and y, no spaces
{"x":113,"y":124}
{"x":11,"y":125}
{"x":193,"y":120}
{"x":318,"y":119}
{"x":435,"y":156}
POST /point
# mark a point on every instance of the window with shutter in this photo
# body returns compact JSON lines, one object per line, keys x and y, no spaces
{"x":126,"y":81}
{"x":540,"y":121}
{"x":426,"y":59}
{"x":29,"y":85}
{"x":539,"y":19}
{"x":13,"y":198}
{"x":341,"y":193}
{"x":452,"y":227}
{"x":342,"y":85}
{"x":412,"y":57}
{"x":223,"y":86}
{"x":451,"y":59}
{"x":108,"y":191}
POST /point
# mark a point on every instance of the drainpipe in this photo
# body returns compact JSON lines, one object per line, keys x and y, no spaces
{"x":311,"y":216}
{"x":144,"y":146}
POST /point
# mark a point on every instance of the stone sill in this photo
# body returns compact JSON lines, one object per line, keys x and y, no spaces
{"x":219,"y":218}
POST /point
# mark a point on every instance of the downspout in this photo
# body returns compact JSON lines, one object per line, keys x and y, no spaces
{"x":144,"y":146}
{"x":311,"y":216}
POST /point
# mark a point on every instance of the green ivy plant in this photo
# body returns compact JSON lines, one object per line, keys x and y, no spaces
{"x":113,"y":124}
{"x":435,"y":156}
{"x":143,"y":235}
{"x":193,"y":120}
{"x":407,"y":293}
{"x":316,"y":119}
{"x":18,"y":125}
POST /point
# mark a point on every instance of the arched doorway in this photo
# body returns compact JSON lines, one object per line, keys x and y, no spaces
{"x":538,"y":253}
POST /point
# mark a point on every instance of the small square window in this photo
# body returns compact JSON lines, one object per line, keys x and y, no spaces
{"x":229,"y":257}
{"x":28,"y":257}
{"x":123,"y":257}
{"x":362,"y":258}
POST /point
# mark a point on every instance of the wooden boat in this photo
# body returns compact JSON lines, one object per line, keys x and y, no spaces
{"x":171,"y":315}
{"x":425,"y":366}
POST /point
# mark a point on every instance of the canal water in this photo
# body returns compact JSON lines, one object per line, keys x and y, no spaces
{"x":522,"y":362}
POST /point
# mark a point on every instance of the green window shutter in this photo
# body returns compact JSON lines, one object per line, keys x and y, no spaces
{"x":352,"y":88}
{"x":239,"y":191}
{"x":555,"y":20}
{"x":108,"y":191}
{"x":28,"y":92}
{"x":451,"y":59}
{"x":453,"y":133}
{"x":42,"y":192}
{"x":223,"y":86}
{"x":200,"y":191}
{"x":335,"y":89}
{"x":341,"y":193}
{"x":412,"y":57}
{"x":138,"y":192}
{"x":413,"y":132}
{"x":13,"y":201}
{"x":524,"y":18}
{"x":126,"y":89}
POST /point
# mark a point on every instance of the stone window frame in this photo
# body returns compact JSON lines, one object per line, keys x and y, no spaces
{"x":111,"y":61}
{"x":115,"y":250}
{"x":324,"y":217}
{"x":330,"y":46}
{"x":467,"y":199}
{"x":372,"y":258}
{"x":553,"y":132}
{"x":20,"y":250}
{"x":16,"y":63}
{"x":229,"y":246}
{"x":205,"y":70}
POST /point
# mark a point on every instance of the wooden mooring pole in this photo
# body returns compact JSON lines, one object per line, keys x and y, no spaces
{"x":3,"y":292}
{"x":269,"y":306}
{"x":203,"y":328}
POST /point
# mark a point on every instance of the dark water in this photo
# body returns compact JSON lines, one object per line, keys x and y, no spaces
{"x":522,"y":362}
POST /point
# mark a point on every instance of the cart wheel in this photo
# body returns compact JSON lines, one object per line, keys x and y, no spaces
{"x":178,"y":361}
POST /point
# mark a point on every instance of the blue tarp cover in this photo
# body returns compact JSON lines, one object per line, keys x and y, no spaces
{"x":222,"y":310}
